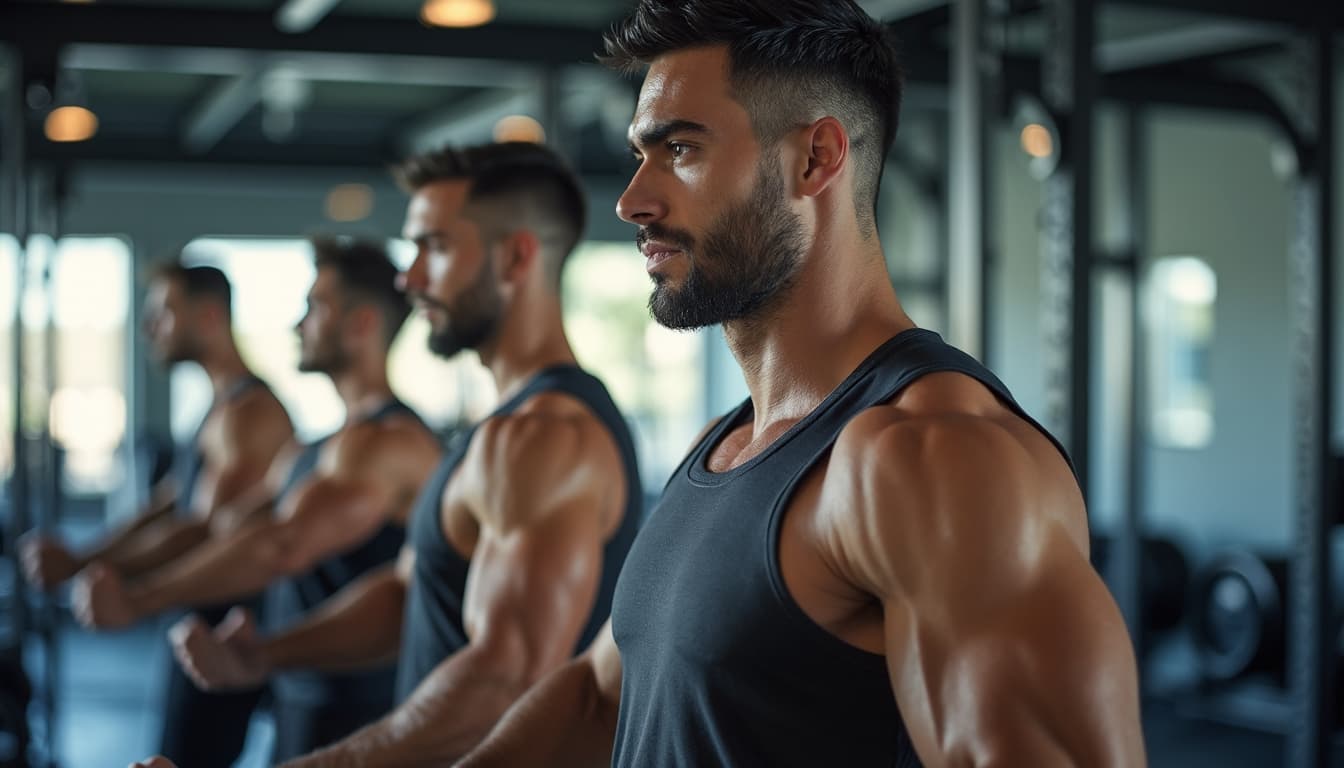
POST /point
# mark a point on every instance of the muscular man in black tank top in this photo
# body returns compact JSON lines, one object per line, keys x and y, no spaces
{"x":329,"y":512}
{"x":516,"y":541}
{"x":878,"y":559}
{"x":187,"y":319}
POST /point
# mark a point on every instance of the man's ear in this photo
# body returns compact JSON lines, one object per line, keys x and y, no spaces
{"x":364,"y":319}
{"x":520,"y":254}
{"x":825,"y":153}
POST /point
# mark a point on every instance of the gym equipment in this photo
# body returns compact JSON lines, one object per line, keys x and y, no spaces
{"x":1238,"y":617}
{"x":1166,"y":580}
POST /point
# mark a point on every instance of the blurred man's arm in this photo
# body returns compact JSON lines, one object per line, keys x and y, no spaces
{"x":568,"y":720}
{"x":357,"y":627}
{"x":535,"y":571}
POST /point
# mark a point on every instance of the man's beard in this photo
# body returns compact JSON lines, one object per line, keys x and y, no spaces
{"x":182,"y":350}
{"x":472,"y":318}
{"x":749,"y":258}
{"x":326,"y":357}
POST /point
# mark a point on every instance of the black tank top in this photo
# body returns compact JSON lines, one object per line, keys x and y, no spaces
{"x":189,"y":460}
{"x":432,"y":629}
{"x":720,"y":665}
{"x":289,"y":599}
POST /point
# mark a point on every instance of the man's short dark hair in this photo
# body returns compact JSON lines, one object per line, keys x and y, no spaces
{"x":788,"y":59}
{"x":517,"y":182}
{"x":367,"y":274}
{"x":198,"y":283}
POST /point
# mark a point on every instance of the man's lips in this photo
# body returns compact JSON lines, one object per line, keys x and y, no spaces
{"x":657,"y":253}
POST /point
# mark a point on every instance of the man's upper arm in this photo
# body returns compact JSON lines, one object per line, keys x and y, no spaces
{"x":549,"y":501}
{"x":253,"y":434}
{"x":376,"y":470}
{"x":1002,"y":642}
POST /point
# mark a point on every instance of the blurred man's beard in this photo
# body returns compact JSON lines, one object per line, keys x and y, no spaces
{"x":747,"y":260}
{"x":473,"y":318}
{"x":325,"y":357}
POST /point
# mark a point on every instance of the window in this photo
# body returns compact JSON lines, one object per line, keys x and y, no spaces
{"x":82,"y":394}
{"x":91,"y":294}
{"x":1179,"y":314}
{"x":9,"y":274}
{"x":654,"y":374}
{"x":270,"y":281}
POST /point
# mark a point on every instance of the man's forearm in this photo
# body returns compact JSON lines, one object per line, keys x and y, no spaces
{"x":220,"y":569}
{"x":117,"y":544}
{"x":564,"y":721}
{"x":153,"y":546}
{"x":358,"y":627}
{"x":448,"y":714}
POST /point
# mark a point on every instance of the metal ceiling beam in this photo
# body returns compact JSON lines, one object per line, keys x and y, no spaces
{"x":223,"y":108}
{"x":469,"y":121}
{"x":63,"y":24}
{"x":378,"y":69}
{"x":1204,"y":39}
{"x":112,"y":150}
{"x":302,"y":15}
{"x":1303,"y":14}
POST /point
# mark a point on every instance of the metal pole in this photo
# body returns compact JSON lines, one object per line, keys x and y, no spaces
{"x":1128,"y":579}
{"x":1069,"y":84}
{"x":967,"y":193}
{"x":1311,"y":653}
{"x":15,"y":153}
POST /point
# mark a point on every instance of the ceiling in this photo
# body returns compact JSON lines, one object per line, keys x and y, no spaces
{"x":218,"y":81}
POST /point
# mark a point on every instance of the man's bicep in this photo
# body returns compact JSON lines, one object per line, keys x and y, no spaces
{"x":330,"y":515}
{"x":1041,"y":670}
{"x":532,"y":588}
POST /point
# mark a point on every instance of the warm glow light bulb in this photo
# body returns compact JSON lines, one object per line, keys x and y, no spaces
{"x":1036,"y":141}
{"x":457,"y":13}
{"x":519,"y":128}
{"x":65,"y":124}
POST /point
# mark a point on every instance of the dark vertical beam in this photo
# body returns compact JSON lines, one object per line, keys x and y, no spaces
{"x":1127,"y":576}
{"x":15,"y":154}
{"x":1068,"y":81}
{"x":967,"y":189}
{"x":1311,"y":652}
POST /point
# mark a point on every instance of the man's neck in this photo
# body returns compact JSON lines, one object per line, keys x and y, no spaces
{"x":363,"y":389}
{"x":529,"y":340}
{"x":224,"y":367}
{"x":797,"y":351}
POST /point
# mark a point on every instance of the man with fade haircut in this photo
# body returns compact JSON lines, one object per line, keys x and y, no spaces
{"x":876,"y":559}
{"x":330,"y":513}
{"x":516,"y":541}
{"x":188,"y":317}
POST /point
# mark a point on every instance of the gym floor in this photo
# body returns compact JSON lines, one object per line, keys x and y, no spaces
{"x":107,"y":698}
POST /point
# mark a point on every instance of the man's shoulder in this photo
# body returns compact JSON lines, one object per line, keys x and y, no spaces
{"x":548,"y":429}
{"x":256,"y":407}
{"x":946,"y":435}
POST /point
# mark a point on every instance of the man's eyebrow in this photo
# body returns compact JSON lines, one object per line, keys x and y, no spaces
{"x":660,"y":132}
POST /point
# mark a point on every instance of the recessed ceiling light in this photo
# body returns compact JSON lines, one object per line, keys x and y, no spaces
{"x":457,"y":13}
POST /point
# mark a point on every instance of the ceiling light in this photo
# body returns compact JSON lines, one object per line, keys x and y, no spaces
{"x":70,"y":123}
{"x":519,"y":128}
{"x":457,"y":13}
{"x":349,"y":202}
{"x":1036,"y":140}
{"x":1038,"y":135}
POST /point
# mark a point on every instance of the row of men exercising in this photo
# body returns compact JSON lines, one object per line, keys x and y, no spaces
{"x":514,"y":532}
{"x":878,"y":558}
